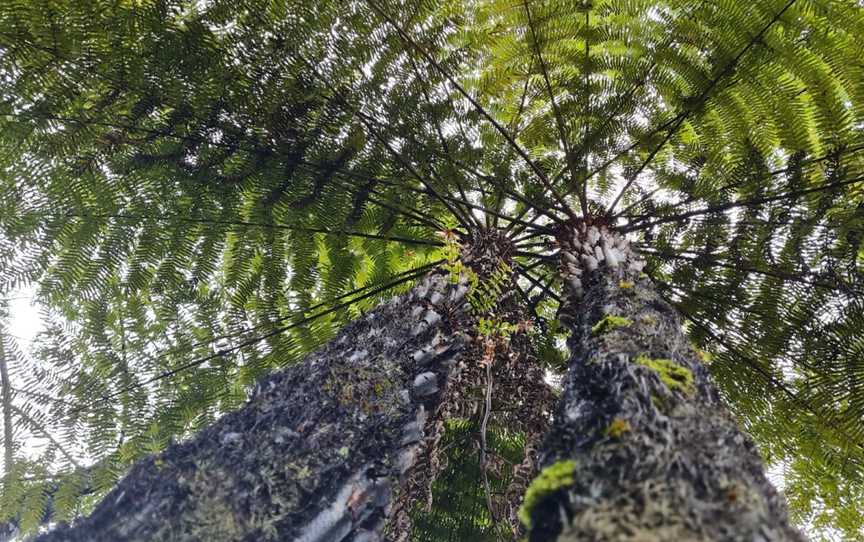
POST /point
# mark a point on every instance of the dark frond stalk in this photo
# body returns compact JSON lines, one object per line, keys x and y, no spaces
{"x":439,"y":132}
{"x":357,"y":294}
{"x":457,"y":214}
{"x":401,"y":209}
{"x":586,"y":110}
{"x":377,"y":131}
{"x":415,"y":215}
{"x":257,"y":150}
{"x":529,"y":303}
{"x":831,"y":155}
{"x":252,"y":341}
{"x":710,"y":260}
{"x":623,"y":100}
{"x":755,"y":202}
{"x":501,"y":189}
{"x":534,"y":255}
{"x":513,"y":127}
{"x":537,"y":284}
{"x":140,"y":129}
{"x":426,"y":220}
{"x":636,"y":397}
{"x":522,"y":225}
{"x":244,"y":224}
{"x":485,"y":114}
{"x":497,"y":184}
{"x":536,"y":244}
{"x":635,"y":174}
{"x":426,"y":192}
{"x":532,"y":235}
{"x":703,"y":96}
{"x":556,"y":112}
{"x":38,"y":427}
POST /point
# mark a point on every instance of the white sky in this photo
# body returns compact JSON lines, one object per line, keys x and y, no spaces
{"x":24,"y":319}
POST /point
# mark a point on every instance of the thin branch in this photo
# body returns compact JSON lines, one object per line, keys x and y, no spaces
{"x":487,"y":411}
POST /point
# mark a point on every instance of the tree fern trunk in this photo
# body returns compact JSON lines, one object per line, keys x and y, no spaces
{"x":642,"y":447}
{"x":7,"y":529}
{"x":319,"y":451}
{"x":6,"y":388}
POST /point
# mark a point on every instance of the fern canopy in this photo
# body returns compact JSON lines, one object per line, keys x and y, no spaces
{"x":201,"y":192}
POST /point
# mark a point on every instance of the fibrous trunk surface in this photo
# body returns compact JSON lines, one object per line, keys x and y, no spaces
{"x":345,"y":445}
{"x":642,"y":447}
{"x":316,"y":455}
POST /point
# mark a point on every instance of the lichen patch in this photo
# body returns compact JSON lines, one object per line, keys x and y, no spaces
{"x":610,"y":322}
{"x":551,"y":479}
{"x":673,"y":375}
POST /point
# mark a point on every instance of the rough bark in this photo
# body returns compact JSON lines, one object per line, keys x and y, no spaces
{"x":7,"y":529}
{"x":498,"y":383}
{"x":642,"y":447}
{"x":6,"y":388}
{"x":346,"y":445}
{"x":317,"y":454}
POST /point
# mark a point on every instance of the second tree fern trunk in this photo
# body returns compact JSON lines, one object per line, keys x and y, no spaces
{"x":642,"y":448}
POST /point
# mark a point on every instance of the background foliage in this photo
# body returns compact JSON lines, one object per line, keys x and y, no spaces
{"x":205,"y":191}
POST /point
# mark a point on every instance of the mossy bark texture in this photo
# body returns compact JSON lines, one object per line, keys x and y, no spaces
{"x":319,"y":452}
{"x":652,"y":452}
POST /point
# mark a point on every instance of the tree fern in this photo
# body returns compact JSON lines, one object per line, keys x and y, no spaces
{"x":206,"y":192}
